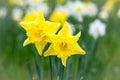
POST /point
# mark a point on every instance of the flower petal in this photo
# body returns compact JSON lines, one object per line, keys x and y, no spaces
{"x":52,"y":27}
{"x":40,"y":46}
{"x":78,"y":49}
{"x":27,"y":41}
{"x":65,"y":30}
{"x":40,"y":18}
{"x":50,"y":51}
{"x":30,"y":17}
{"x":76,"y":37}
{"x":27,"y":25}
{"x":64,"y":60}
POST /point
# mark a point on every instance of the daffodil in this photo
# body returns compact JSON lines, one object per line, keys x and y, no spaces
{"x":92,"y":8}
{"x":13,"y":1}
{"x":64,"y":45}
{"x":17,"y":14}
{"x":30,"y":17}
{"x":110,"y":5}
{"x":3,"y":12}
{"x":61,"y":1}
{"x":37,"y":30}
{"x":57,"y":16}
{"x":97,"y":28}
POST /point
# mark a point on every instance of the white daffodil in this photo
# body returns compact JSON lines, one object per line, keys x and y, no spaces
{"x":104,"y":14}
{"x":60,"y":8}
{"x":92,"y":9}
{"x":42,"y":6}
{"x":97,"y":28}
{"x":118,"y":13}
{"x":33,"y":2}
{"x":3,"y":12}
{"x":71,"y":28}
{"x":17,"y":14}
{"x":76,"y":9}
{"x":79,"y":8}
{"x":69,"y":8}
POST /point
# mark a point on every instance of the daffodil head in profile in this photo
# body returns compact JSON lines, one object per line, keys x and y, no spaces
{"x":37,"y":30}
{"x":58,"y":16}
{"x":64,"y":45}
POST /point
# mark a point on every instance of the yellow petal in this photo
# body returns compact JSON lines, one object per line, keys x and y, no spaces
{"x":52,"y":27}
{"x":65,"y":30}
{"x":27,"y":41}
{"x":50,"y":51}
{"x":30,"y":17}
{"x":40,"y":46}
{"x":76,"y":37}
{"x":64,"y":60}
{"x":78,"y":50}
{"x":27,"y":25}
{"x":58,"y":17}
{"x":54,"y":17}
{"x":40,"y":18}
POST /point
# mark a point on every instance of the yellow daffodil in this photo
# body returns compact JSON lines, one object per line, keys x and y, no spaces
{"x":35,"y":1}
{"x":58,"y":16}
{"x":30,"y":17}
{"x":64,"y":45}
{"x":110,"y":5}
{"x":37,"y":30}
{"x":61,"y":2}
{"x":13,"y":2}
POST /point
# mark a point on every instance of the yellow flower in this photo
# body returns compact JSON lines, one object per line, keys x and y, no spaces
{"x":58,"y":16}
{"x":30,"y":17}
{"x":37,"y":30}
{"x":61,"y":2}
{"x":35,"y":1}
{"x":64,"y":45}
{"x":13,"y":2}
{"x":110,"y":5}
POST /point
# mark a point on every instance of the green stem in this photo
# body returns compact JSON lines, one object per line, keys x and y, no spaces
{"x":42,"y":66}
{"x":62,"y":73}
{"x":29,"y":70}
{"x":91,"y":58}
{"x":51,"y":75}
{"x":37,"y":68}
{"x":79,"y":68}
{"x":94,"y":51}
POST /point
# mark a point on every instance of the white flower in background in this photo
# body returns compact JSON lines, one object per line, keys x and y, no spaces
{"x":104,"y":14}
{"x":69,"y":8}
{"x":17,"y":14}
{"x":76,"y":9}
{"x":118,"y":13}
{"x":79,"y":9}
{"x":97,"y":28}
{"x":3,"y":12}
{"x":42,"y":6}
{"x":92,"y":9}
{"x":21,"y":3}
{"x":33,"y":2}
{"x":60,"y":8}
{"x":71,"y":28}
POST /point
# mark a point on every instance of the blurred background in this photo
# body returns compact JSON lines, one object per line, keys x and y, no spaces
{"x":14,"y":57}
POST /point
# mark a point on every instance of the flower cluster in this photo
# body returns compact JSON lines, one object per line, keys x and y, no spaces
{"x":41,"y":32}
{"x":77,"y":10}
{"x":107,"y":8}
